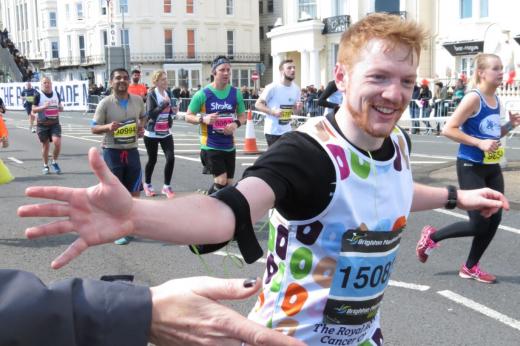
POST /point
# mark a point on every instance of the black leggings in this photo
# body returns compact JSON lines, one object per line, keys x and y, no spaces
{"x":475,"y":176}
{"x":152,"y":146}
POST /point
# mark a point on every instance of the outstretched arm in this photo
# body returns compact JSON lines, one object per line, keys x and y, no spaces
{"x":105,"y":212}
{"x":486,"y":200}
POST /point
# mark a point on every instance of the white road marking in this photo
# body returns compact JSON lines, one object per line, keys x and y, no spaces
{"x":451,"y":158}
{"x":14,"y":159}
{"x":465,"y":217}
{"x":511,"y":322}
{"x":426,"y":162}
{"x":415,"y":287}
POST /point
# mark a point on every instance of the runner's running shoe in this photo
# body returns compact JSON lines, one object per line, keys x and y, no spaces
{"x":167,"y":190}
{"x":477,"y":274}
{"x":45,"y":170}
{"x":148,"y":190}
{"x":56,"y":167}
{"x":122,"y":241}
{"x":425,"y":244}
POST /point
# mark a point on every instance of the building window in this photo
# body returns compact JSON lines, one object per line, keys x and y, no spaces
{"x":260,"y":7}
{"x":69,"y":45}
{"x":81,"y":41}
{"x":17,"y":18}
{"x":183,"y":78}
{"x":466,"y":65}
{"x":230,"y":43}
{"x":244,"y":78}
{"x":168,"y":44}
{"x":52,"y":19}
{"x":105,"y":38}
{"x":167,"y":6}
{"x":261,"y":31}
{"x":484,"y":8}
{"x":229,"y":7}
{"x":103,"y":7}
{"x":123,"y":6}
{"x":67,"y":11}
{"x":191,"y":44}
{"x":79,"y":10}
{"x":25,"y":16}
{"x":55,"y":53}
{"x":339,"y":7}
{"x":270,"y":6}
{"x":306,"y":9}
{"x":172,"y":78}
{"x":466,"y":9}
{"x":189,"y":6}
{"x":125,"y":37}
{"x":390,"y":6}
{"x":195,"y":78}
{"x":269,"y":28}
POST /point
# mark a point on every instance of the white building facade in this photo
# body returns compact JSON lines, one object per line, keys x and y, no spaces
{"x":182,"y":37}
{"x":467,"y":27}
{"x":459,"y":29}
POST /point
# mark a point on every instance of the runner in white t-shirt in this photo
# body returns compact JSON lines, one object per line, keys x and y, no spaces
{"x":279,"y":101}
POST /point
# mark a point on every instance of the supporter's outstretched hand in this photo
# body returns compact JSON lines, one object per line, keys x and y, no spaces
{"x":486,"y":200}
{"x":188,"y":312}
{"x":99,"y":214}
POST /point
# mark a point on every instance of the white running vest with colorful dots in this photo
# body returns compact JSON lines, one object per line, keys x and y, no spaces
{"x":325,"y":277}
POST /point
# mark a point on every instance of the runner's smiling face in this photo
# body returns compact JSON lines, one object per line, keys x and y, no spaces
{"x":119,"y":82}
{"x":221,"y":74}
{"x":379,"y":86}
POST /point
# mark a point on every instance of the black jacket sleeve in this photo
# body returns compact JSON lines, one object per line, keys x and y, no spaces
{"x":329,"y":90}
{"x":153,"y":109}
{"x":72,"y":312}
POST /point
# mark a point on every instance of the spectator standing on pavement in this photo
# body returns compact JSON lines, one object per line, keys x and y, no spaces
{"x":47,"y":105}
{"x":475,"y":124}
{"x":219,"y":110}
{"x":330,"y":98}
{"x":425,"y":99}
{"x":279,"y":100}
{"x":136,"y":88}
{"x":440,"y":111}
{"x":459,"y":91}
{"x":415,"y":111}
{"x":2,"y":106}
{"x":28,"y":94}
{"x":341,"y":187}
{"x":119,"y":117}
{"x":160,"y":107}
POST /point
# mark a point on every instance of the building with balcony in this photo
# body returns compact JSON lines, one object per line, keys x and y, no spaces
{"x":480,"y":28}
{"x":84,"y":39}
{"x":311,"y":31}
{"x":271,"y":13}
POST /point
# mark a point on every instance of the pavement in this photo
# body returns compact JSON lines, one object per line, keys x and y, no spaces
{"x":446,"y":175}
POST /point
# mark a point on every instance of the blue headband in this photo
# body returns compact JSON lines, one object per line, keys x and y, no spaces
{"x":218,"y":62}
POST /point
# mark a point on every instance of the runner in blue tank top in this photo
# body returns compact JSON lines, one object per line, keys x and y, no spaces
{"x":475,"y":124}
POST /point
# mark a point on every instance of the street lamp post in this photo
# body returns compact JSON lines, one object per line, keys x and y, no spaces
{"x":124,"y":42}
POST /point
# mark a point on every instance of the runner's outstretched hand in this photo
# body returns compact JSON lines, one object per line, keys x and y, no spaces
{"x":99,"y":214}
{"x":187,"y":312}
{"x":486,"y":200}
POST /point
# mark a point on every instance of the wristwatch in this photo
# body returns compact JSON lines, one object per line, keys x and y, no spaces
{"x":201,"y":119}
{"x":452,"y":197}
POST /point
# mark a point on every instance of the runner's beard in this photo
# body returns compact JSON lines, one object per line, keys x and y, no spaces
{"x":288,"y":78}
{"x":361,"y":120}
{"x":135,"y":80}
